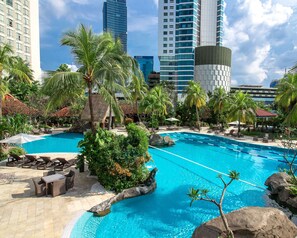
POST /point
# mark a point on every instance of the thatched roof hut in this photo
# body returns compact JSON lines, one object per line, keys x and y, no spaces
{"x":100,"y":107}
{"x":12,"y":106}
{"x":64,"y":112}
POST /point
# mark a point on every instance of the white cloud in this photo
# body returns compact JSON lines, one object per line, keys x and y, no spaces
{"x":156,"y":2}
{"x":254,"y":33}
{"x":59,"y":7}
{"x":73,"y":67}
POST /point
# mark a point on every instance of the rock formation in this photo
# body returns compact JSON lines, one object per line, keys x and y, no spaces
{"x":159,"y":141}
{"x":279,"y":186}
{"x":250,"y":222}
{"x":149,"y":186}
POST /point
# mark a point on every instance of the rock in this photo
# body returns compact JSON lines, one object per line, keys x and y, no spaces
{"x":159,"y":141}
{"x":276,"y":181}
{"x":103,"y":208}
{"x":250,"y":222}
{"x":279,"y":185}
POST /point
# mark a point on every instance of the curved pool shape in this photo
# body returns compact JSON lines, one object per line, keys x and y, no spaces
{"x":58,"y":143}
{"x":167,"y":211}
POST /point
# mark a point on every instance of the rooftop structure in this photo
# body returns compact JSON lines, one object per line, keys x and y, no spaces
{"x":19,"y":27}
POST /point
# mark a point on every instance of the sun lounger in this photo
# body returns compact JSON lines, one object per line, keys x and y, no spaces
{"x":45,"y":162}
{"x":230,"y":133}
{"x":29,"y":161}
{"x":61,"y":164}
{"x":13,"y":160}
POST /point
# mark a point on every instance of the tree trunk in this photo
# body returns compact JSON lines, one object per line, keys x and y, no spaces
{"x":136,"y":104}
{"x":1,"y":106}
{"x":225,"y":222}
{"x":91,"y":107}
{"x":238,"y":132}
{"x":110,"y":117}
{"x":197,"y":115}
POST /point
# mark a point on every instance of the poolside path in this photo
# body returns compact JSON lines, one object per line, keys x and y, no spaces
{"x":22,"y":214}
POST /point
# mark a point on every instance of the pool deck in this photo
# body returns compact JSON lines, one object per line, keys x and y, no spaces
{"x":22,"y":214}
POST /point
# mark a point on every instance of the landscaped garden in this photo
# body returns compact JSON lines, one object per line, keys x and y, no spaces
{"x":87,"y":101}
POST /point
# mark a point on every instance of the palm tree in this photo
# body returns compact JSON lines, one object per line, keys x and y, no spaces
{"x":242,"y":108}
{"x":287,"y":97}
{"x":14,"y":67}
{"x":91,"y":52}
{"x":195,"y":96}
{"x":138,"y":90}
{"x":219,"y":100}
{"x":156,"y":102}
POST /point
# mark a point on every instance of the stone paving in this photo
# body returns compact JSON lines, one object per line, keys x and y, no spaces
{"x":22,"y":214}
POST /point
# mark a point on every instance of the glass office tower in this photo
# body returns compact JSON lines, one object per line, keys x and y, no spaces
{"x":184,"y":25}
{"x":115,"y":19}
{"x":146,"y":64}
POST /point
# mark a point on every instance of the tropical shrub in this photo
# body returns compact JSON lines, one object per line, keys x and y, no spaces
{"x":128,"y":121}
{"x":11,"y":125}
{"x":117,"y":161}
{"x":17,"y":151}
{"x":3,"y":154}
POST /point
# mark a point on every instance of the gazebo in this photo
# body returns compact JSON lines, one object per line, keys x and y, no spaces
{"x":265,"y":115}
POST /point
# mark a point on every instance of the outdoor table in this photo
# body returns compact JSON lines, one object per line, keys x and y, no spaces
{"x":51,"y":178}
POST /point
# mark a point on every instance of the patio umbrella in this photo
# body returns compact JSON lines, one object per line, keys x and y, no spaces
{"x":172,"y":119}
{"x":21,"y":139}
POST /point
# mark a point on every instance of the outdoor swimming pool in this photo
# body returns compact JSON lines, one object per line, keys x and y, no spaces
{"x":63,"y":142}
{"x":166,"y":212}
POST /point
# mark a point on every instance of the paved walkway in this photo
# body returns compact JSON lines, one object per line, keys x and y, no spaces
{"x":22,"y":214}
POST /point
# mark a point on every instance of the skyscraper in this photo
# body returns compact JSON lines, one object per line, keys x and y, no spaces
{"x":115,"y":19}
{"x":146,"y":64}
{"x":184,"y":25}
{"x":19,"y":27}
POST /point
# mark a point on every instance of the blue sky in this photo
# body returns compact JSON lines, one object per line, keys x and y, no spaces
{"x":261,"y":33}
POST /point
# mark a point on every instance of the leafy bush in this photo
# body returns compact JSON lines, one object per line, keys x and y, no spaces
{"x":3,"y":154}
{"x":17,"y":151}
{"x":117,"y":161}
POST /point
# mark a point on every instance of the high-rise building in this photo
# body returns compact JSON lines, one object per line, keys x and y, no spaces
{"x":184,"y":25}
{"x":146,"y":64}
{"x":115,"y":19}
{"x":19,"y":27}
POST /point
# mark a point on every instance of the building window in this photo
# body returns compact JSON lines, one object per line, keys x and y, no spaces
{"x":27,"y":49}
{"x":165,"y":20}
{"x":9,"y":33}
{"x":9,"y":2}
{"x":164,"y":45}
{"x":26,"y":21}
{"x":26,"y":30}
{"x":27,"y":40}
{"x":164,"y":32}
{"x":165,"y":14}
{"x":165,"y":1}
{"x":171,"y":7}
{"x":165,"y":7}
{"x":26,"y":3}
{"x":10,"y":23}
{"x":19,"y":17}
{"x":165,"y":51}
{"x":1,"y":18}
{"x":19,"y":46}
{"x":19,"y":27}
{"x":1,"y":28}
{"x":9,"y":12}
{"x":19,"y":36}
{"x":165,"y":26}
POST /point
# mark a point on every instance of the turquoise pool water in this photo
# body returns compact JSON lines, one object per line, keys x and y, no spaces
{"x":64,"y":142}
{"x":166,"y":212}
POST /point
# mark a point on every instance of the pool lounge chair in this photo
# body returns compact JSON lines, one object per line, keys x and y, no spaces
{"x":62,"y":163}
{"x":230,"y":133}
{"x":45,"y":162}
{"x":30,"y":160}
{"x":13,"y":160}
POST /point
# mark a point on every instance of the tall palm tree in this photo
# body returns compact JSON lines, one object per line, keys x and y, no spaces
{"x":91,"y":52}
{"x":138,"y":90}
{"x":219,"y":100}
{"x":287,"y":97}
{"x":13,"y":68}
{"x":195,"y":96}
{"x":156,"y":102}
{"x":242,"y":108}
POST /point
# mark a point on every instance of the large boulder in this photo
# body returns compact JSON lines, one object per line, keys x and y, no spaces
{"x":160,"y":141}
{"x":149,"y":186}
{"x":280,"y":187}
{"x":250,"y":222}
